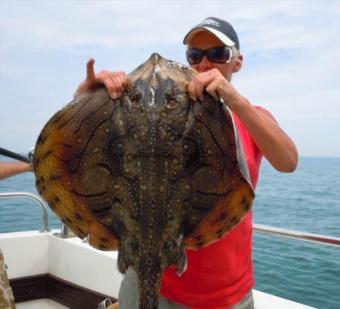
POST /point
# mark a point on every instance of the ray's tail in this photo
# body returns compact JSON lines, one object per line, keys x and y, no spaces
{"x":149,"y":283}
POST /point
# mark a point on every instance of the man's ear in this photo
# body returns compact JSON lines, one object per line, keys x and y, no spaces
{"x":238,"y":63}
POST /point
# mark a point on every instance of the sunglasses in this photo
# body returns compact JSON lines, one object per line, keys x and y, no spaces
{"x":216,"y":55}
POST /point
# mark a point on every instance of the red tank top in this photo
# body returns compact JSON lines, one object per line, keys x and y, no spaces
{"x":219,"y":275}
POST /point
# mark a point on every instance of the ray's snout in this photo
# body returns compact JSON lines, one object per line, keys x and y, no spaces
{"x":154,"y":81}
{"x":155,"y":58}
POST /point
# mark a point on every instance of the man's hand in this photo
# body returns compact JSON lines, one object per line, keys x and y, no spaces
{"x":215,"y":84}
{"x":115,"y":82}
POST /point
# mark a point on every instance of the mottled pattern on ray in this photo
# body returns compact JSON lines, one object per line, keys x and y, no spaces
{"x":147,"y":174}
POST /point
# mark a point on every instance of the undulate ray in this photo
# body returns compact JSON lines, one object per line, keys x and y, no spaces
{"x":147,"y":174}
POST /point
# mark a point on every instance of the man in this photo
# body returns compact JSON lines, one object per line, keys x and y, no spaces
{"x":221,"y":274}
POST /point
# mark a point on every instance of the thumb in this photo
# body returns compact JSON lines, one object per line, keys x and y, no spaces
{"x":90,"y":74}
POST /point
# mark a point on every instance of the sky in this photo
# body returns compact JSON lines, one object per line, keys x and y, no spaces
{"x":291,"y":58}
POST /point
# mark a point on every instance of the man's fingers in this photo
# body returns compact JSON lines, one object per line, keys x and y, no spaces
{"x":200,"y":94}
{"x":116,"y":87}
{"x":116,"y":83}
{"x":124,"y":81}
{"x":90,"y":73}
{"x":192,"y":91}
{"x":211,"y":81}
{"x":197,"y":85}
{"x":196,"y":90}
{"x":111,"y":86}
{"x":212,"y":89}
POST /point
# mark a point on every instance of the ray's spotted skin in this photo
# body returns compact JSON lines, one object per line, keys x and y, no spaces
{"x":148,"y":174}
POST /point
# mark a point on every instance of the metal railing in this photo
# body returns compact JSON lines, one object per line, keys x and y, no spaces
{"x":37,"y":199}
{"x":260,"y":228}
{"x":65,"y":232}
{"x":309,"y":237}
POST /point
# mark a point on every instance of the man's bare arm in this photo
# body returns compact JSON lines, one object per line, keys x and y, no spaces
{"x":8,"y":169}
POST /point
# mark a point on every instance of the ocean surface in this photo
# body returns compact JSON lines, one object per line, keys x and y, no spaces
{"x":307,"y":200}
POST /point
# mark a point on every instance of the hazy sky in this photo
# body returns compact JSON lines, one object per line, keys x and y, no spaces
{"x":291,"y":50}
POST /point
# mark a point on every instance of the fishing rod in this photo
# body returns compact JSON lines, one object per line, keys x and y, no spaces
{"x":16,"y":156}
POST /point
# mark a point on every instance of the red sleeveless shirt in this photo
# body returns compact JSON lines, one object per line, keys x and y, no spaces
{"x":219,"y":275}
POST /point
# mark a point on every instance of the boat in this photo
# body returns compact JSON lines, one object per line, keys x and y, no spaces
{"x":54,"y":269}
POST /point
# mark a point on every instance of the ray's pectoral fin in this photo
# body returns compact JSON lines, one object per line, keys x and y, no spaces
{"x":67,"y":167}
{"x":222,"y":194}
{"x":228,"y":213}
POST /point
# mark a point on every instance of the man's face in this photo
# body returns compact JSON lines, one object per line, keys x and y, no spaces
{"x":205,"y":40}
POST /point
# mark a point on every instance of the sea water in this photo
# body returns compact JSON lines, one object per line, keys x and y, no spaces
{"x":307,"y":200}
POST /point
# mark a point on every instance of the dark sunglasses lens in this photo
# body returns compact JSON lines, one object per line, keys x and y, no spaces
{"x":194,"y":56}
{"x":218,"y":55}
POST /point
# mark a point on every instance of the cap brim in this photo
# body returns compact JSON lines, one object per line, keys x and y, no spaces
{"x":219,"y":35}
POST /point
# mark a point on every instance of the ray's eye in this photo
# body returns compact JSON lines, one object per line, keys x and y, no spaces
{"x":138,"y":95}
{"x":171,"y":104}
{"x":135,"y":94}
{"x":173,"y":100}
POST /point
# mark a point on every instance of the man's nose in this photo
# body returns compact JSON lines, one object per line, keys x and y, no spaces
{"x":205,"y":65}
